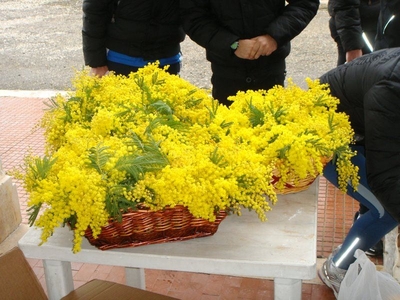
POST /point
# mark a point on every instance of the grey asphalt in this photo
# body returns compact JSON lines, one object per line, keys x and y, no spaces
{"x":40,"y":47}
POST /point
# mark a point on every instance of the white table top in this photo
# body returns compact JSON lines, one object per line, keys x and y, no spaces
{"x":284,"y":246}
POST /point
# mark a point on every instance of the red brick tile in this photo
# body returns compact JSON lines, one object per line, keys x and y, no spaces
{"x":85,"y":272}
{"x":76,"y":266}
{"x":117,"y":274}
{"x":320,"y":292}
{"x":161,"y":285}
{"x":78,"y":283}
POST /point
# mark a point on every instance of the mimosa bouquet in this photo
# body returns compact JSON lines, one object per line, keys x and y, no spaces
{"x":154,"y":141}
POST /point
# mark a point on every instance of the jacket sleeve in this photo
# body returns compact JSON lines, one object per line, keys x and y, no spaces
{"x":296,"y":15}
{"x":97,"y":15}
{"x":346,"y":14}
{"x":203,"y":27}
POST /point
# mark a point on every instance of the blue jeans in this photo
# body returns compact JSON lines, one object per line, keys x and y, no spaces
{"x":125,"y":70}
{"x":371,"y":226}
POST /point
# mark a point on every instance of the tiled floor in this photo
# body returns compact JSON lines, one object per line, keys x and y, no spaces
{"x":18,"y":116}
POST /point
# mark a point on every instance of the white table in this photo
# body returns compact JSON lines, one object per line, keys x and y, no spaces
{"x":282,"y":248}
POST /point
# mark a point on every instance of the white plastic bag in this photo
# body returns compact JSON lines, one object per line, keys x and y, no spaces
{"x":363,"y":282}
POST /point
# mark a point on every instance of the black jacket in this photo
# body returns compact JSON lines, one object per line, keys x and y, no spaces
{"x":141,"y":28}
{"x":349,"y":18}
{"x":388,"y":33}
{"x":216,"y":24}
{"x":369,"y":92}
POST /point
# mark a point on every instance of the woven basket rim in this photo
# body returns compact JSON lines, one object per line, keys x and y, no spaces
{"x":144,"y":227}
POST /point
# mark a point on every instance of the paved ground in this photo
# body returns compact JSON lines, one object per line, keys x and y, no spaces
{"x":40,"y":47}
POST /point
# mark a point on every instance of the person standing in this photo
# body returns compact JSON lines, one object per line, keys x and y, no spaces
{"x":124,"y":35}
{"x":388,"y":31}
{"x":369,"y":92}
{"x":353,"y":26}
{"x":245,"y":41}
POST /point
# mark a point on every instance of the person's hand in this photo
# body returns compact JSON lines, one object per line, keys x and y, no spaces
{"x":353,"y":54}
{"x":245,"y":49}
{"x":266,"y":45}
{"x":99,"y":71}
{"x":253,"y":48}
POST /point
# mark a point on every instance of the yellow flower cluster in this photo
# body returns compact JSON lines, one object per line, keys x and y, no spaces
{"x":299,"y":130}
{"x":154,"y":139}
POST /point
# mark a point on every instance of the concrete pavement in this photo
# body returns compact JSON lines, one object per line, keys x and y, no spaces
{"x":40,"y":47}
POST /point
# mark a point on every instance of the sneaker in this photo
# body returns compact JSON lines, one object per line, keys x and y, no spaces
{"x":376,"y":250}
{"x":331,"y":275}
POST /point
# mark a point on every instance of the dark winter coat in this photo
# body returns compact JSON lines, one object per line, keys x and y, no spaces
{"x":369,"y":92}
{"x":140,"y":28}
{"x":350,"y":18}
{"x":216,"y":24}
{"x":388,"y":33}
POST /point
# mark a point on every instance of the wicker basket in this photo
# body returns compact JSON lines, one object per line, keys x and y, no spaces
{"x":295,"y":185}
{"x":144,"y":227}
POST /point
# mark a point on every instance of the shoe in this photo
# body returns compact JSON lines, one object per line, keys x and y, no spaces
{"x":376,"y":250}
{"x":331,"y":275}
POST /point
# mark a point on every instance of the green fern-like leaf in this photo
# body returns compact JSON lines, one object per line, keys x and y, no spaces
{"x":218,"y":159}
{"x":39,"y":170}
{"x":256,"y":115}
{"x":283,"y":151}
{"x":155,"y":80}
{"x":320,"y":101}
{"x":332,"y":124}
{"x":149,"y":159}
{"x":98,"y":157}
{"x":316,"y":143}
{"x":162,"y":107}
{"x":212,"y":111}
{"x":33,"y":212}
{"x":52,"y":104}
{"x":136,"y":166}
{"x":165,"y":120}
{"x":276,"y":113}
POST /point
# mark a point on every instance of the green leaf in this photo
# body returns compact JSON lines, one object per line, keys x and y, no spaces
{"x":33,"y":212}
{"x":256,"y":115}
{"x":98,"y":157}
{"x":52,"y":104}
{"x":41,"y":168}
{"x":332,"y":125}
{"x":155,"y":80}
{"x":162,"y":107}
{"x":225,"y":124}
{"x":212,"y":111}
{"x":150,"y":158}
{"x":277,"y":113}
{"x":137,"y":166}
{"x":283,"y":151}
{"x":165,"y":120}
{"x":217,"y":159}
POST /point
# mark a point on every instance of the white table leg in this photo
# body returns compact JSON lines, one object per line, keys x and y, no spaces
{"x":58,"y":278}
{"x":287,"y":289}
{"x":135,"y":277}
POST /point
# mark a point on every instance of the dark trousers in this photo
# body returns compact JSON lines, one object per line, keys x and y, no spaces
{"x":125,"y":70}
{"x":224,"y":87}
